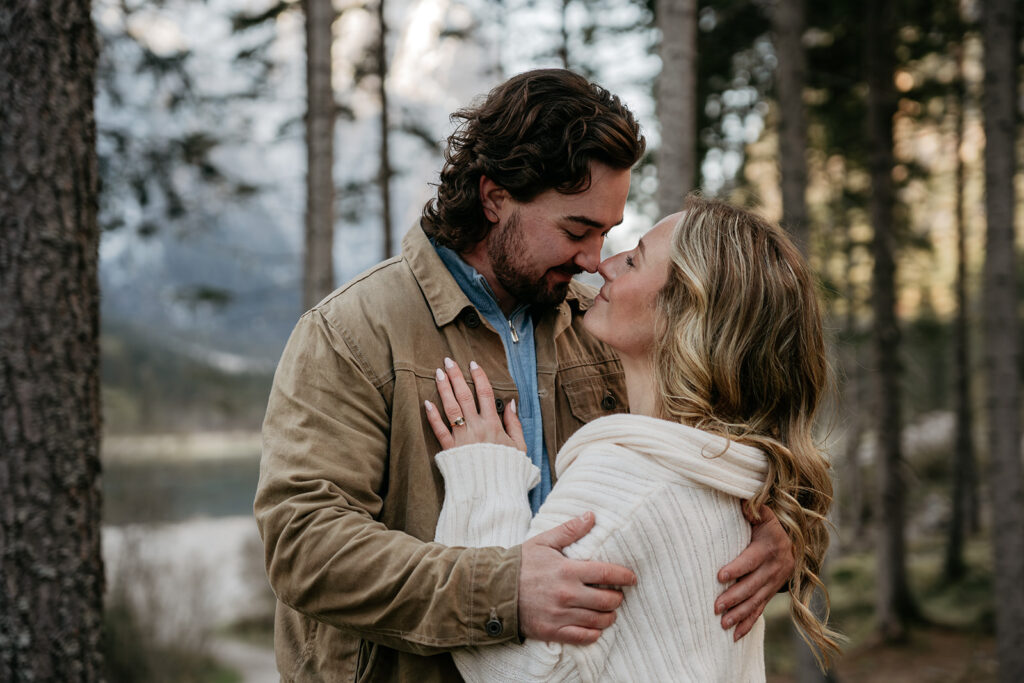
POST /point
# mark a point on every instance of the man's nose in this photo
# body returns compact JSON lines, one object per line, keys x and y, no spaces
{"x":589,"y":256}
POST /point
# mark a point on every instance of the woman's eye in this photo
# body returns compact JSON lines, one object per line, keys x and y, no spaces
{"x":629,"y":261}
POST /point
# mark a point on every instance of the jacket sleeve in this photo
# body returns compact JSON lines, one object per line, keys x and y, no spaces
{"x":486,"y":503}
{"x":325,"y":454}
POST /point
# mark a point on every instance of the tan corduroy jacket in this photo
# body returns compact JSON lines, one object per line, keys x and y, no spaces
{"x":349,"y":494}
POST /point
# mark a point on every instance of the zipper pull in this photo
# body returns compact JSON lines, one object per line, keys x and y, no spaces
{"x":512,"y":329}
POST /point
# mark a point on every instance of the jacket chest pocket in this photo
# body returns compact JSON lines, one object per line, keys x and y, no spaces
{"x":596,"y":395}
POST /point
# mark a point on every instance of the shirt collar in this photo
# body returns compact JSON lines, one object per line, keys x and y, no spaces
{"x":473,"y":283}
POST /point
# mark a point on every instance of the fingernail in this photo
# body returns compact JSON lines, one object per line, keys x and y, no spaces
{"x":439,"y":373}
{"x":726,"y":576}
{"x":428,"y":405}
{"x":512,"y":406}
{"x":718,"y":608}
{"x":473,"y":365}
{"x":449,"y":363}
{"x":728,"y":622}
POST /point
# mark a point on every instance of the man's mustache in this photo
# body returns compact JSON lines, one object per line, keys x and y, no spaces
{"x":569,"y":269}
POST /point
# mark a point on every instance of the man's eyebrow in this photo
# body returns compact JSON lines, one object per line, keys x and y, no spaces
{"x":590,"y":222}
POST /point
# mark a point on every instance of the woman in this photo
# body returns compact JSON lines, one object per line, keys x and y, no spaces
{"x":715,"y":318}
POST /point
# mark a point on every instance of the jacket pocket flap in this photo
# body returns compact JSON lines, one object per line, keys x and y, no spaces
{"x":597,"y":395}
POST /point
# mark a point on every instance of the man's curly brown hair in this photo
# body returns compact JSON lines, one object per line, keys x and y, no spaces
{"x":537,"y":131}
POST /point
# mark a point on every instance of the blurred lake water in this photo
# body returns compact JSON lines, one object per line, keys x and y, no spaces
{"x":179,"y":539}
{"x":167,"y":490}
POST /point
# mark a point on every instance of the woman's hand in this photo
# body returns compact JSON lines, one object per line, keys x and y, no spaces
{"x":470,"y":425}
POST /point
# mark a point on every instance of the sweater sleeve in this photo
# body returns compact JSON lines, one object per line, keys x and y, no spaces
{"x":486,"y":504}
{"x":485,"y":495}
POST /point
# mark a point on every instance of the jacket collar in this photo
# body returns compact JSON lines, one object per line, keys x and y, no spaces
{"x":447,"y":300}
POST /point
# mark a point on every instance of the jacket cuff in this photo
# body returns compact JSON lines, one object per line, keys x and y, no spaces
{"x":494,"y":600}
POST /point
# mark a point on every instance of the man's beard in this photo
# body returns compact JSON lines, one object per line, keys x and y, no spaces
{"x":505,"y":247}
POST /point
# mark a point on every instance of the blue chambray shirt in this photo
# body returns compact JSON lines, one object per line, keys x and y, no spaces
{"x":521,"y":356}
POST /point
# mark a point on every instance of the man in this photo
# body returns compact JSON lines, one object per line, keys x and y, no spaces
{"x":349,"y":495}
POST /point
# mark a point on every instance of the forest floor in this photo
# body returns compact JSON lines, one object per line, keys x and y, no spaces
{"x":931,"y":656}
{"x":954,"y":644}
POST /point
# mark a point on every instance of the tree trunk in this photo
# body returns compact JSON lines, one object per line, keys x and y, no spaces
{"x":384,"y":173}
{"x":788,"y":27}
{"x":895,"y":607}
{"x":51,"y":569}
{"x":318,"y":266}
{"x":963,"y":447}
{"x":806,"y":670}
{"x":852,"y":508}
{"x":677,"y":102}
{"x":563,"y":35}
{"x":1001,"y":336}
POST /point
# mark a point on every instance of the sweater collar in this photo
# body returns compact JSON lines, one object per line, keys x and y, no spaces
{"x":709,"y":459}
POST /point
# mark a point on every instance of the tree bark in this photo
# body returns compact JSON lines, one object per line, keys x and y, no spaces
{"x":963,"y":446}
{"x":788,"y":28}
{"x":894,"y":606}
{"x":1001,"y":341}
{"x":677,"y":102}
{"x":51,"y":569}
{"x":384,"y":172}
{"x":318,"y":265}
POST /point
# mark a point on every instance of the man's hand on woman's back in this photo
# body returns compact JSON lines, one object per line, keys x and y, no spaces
{"x":559,"y":598}
{"x":764,"y":567}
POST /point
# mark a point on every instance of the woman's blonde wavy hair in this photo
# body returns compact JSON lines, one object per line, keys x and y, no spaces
{"x":741,"y":353}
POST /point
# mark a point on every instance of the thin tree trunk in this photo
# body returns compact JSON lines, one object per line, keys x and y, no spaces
{"x":318,"y":266}
{"x":384,"y":174}
{"x":1001,"y":342}
{"x":788,"y":27}
{"x":677,"y":102}
{"x":563,"y":45}
{"x":853,"y":510}
{"x":51,"y":568}
{"x":963,"y":447}
{"x":895,"y":607}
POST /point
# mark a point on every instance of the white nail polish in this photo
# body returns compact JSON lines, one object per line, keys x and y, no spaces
{"x":512,"y":407}
{"x":439,"y":373}
{"x":428,"y":405}
{"x":473,"y":365}
{"x":449,"y":363}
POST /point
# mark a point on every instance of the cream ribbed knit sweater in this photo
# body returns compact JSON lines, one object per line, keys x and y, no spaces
{"x":667,"y":503}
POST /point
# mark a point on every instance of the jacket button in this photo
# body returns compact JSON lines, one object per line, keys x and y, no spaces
{"x":473,"y":319}
{"x":609,"y":402}
{"x":499,"y":405}
{"x":494,"y":627}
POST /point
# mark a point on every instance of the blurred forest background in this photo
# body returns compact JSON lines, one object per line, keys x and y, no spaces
{"x":250,"y":155}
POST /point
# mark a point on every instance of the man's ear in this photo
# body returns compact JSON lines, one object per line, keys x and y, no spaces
{"x":493,"y":198}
